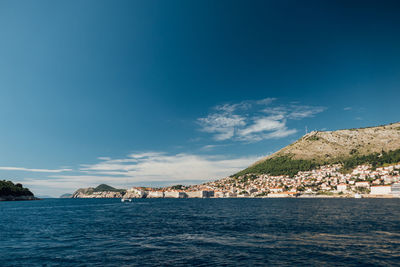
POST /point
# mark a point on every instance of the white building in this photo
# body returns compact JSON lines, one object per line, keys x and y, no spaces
{"x":276,"y":190}
{"x":342,"y":188}
{"x":155,"y":194}
{"x":219,"y":194}
{"x":282,"y":194}
{"x":325,"y":186}
{"x":200,"y":194}
{"x":362,"y":184}
{"x":174,"y":194}
{"x":381,"y":190}
{"x":388,"y":179}
{"x":230,"y":194}
{"x":135,"y":193}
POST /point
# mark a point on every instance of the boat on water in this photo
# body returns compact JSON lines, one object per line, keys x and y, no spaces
{"x":126,"y":200}
{"x":357,"y":196}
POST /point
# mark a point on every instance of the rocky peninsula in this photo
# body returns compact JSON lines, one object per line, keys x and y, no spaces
{"x":101,"y":191}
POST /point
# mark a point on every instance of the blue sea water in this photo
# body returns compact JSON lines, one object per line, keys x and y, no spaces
{"x":200,"y":232}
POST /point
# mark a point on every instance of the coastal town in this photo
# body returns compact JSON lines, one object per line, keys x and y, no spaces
{"x":325,"y":181}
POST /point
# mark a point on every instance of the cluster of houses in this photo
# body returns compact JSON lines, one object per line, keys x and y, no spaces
{"x":326,"y":181}
{"x":140,"y":192}
{"x":322,"y":182}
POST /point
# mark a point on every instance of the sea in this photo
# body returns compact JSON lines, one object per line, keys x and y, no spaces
{"x":200,"y":232}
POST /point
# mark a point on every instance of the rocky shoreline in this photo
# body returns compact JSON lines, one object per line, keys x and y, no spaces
{"x":149,"y":193}
{"x":19,"y":198}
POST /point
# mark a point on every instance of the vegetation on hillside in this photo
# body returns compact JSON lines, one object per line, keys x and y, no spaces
{"x":285,"y":165}
{"x":105,"y":187}
{"x":375,"y":159}
{"x":8,"y":188}
{"x":99,"y":189}
{"x":177,"y":187}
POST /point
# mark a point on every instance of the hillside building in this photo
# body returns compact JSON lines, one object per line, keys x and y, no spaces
{"x":381,"y":190}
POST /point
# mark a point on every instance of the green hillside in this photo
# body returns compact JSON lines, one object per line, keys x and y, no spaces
{"x":285,"y":165}
{"x":105,"y":187}
{"x":373,"y":145}
{"x":8,"y":188}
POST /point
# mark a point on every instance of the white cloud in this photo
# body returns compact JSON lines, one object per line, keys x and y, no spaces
{"x":253,"y":121}
{"x":284,"y":132}
{"x":147,"y":168}
{"x":270,"y":123}
{"x":222,"y":124}
{"x":301,"y":112}
{"x":162,"y":166}
{"x":34,"y":170}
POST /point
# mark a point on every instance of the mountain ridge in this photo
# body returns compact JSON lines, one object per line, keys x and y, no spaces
{"x":343,"y":142}
{"x":326,"y":147}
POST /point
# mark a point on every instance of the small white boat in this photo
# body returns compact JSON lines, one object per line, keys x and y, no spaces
{"x":357,"y":196}
{"x":126,"y":200}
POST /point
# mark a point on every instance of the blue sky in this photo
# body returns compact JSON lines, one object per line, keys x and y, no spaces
{"x":163,"y":92}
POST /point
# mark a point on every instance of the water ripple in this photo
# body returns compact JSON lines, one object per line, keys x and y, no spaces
{"x":200,"y":232}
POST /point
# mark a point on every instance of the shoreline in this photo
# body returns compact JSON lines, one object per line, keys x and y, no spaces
{"x":19,"y":198}
{"x":263,"y":197}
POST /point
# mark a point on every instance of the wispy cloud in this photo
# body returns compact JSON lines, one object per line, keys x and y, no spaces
{"x":149,"y":168}
{"x":222,"y":124}
{"x":34,"y":170}
{"x":159,"y":166}
{"x":253,"y":121}
{"x":301,"y":112}
{"x":211,"y":147}
{"x":265,"y":128}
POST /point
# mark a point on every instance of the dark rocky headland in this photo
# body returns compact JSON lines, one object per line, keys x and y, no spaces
{"x":14,"y":192}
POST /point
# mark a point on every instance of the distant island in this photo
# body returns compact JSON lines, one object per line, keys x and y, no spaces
{"x":66,"y":195}
{"x":10,"y":191}
{"x":363,"y":162}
